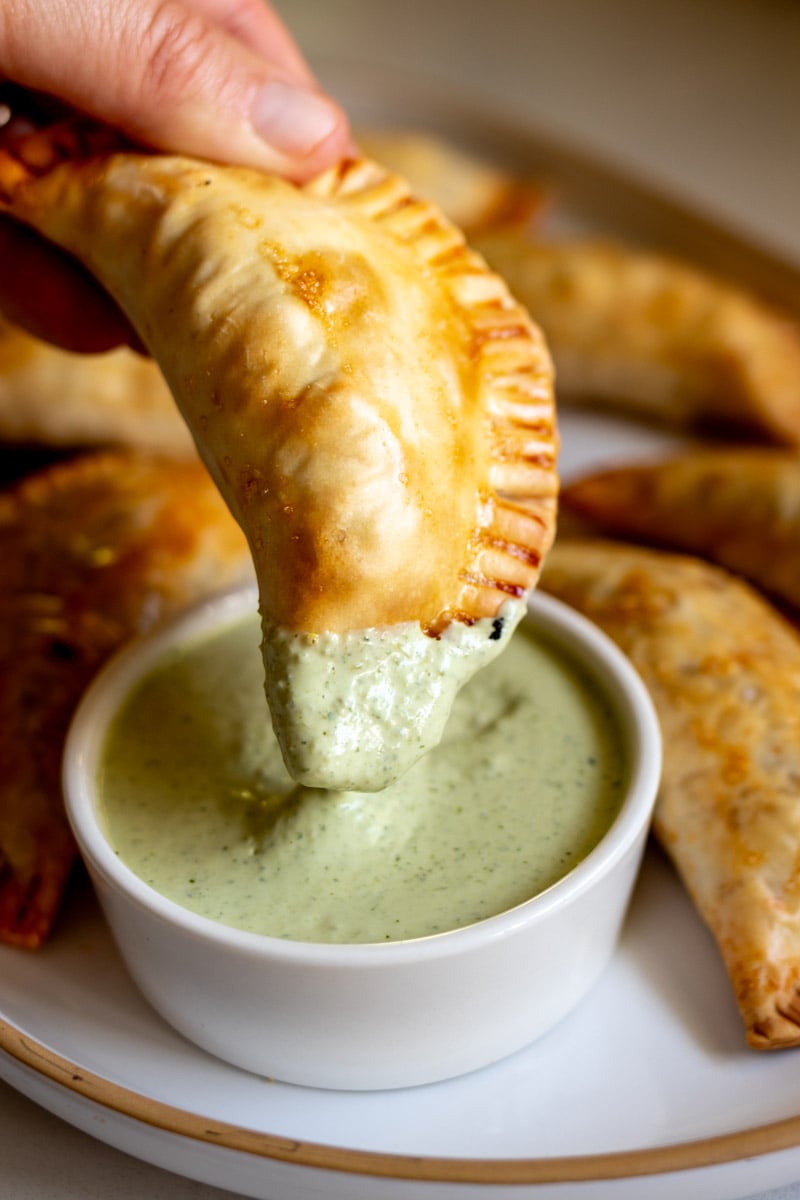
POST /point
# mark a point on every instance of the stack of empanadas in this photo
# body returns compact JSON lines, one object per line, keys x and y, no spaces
{"x":400,"y":405}
{"x":666,"y":341}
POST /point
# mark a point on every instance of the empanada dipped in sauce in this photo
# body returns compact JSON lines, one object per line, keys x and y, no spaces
{"x":474,"y":194}
{"x":53,"y":397}
{"x":736,"y":506}
{"x":723,"y":668}
{"x":94,"y":551}
{"x":374,"y":406}
{"x":655,"y":335}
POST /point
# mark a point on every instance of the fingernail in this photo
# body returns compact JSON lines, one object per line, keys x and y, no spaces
{"x":292,"y":120}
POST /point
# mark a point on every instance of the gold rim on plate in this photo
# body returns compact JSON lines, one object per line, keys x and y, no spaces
{"x":654,"y":1160}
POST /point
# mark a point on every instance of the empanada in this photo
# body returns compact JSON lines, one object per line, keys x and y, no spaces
{"x":739,"y":507}
{"x":723,"y":669}
{"x":93,"y":551}
{"x":655,"y":335}
{"x":374,"y":406}
{"x":52,"y":397}
{"x":475,"y":194}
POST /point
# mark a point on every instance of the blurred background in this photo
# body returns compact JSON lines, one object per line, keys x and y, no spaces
{"x":701,"y":98}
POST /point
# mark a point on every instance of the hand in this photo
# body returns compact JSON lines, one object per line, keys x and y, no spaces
{"x":218,"y":79}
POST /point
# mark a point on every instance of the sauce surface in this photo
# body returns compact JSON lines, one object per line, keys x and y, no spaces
{"x":526,"y":780}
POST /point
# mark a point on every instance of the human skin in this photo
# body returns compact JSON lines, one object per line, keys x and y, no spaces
{"x":216,"y":79}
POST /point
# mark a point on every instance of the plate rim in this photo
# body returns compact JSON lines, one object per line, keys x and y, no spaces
{"x":715,"y":1150}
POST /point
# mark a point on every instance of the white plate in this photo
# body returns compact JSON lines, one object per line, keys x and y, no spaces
{"x":647,"y":1078}
{"x":646,"y":1091}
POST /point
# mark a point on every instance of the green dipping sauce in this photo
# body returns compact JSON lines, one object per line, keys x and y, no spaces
{"x":197,"y":802}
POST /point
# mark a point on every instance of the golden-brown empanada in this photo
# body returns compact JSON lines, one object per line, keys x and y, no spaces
{"x":475,"y":194}
{"x":739,"y":507}
{"x":93,"y":551}
{"x":723,"y":669}
{"x":374,"y":406}
{"x":655,"y":335}
{"x":52,"y":397}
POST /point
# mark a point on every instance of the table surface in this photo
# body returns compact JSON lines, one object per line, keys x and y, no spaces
{"x":701,"y":99}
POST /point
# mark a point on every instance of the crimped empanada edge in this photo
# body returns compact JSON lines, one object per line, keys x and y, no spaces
{"x":517,"y":510}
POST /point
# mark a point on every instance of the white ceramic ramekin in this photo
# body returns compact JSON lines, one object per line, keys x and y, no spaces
{"x":370,"y":1016}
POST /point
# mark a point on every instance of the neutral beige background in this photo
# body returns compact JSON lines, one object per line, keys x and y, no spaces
{"x":702,"y":96}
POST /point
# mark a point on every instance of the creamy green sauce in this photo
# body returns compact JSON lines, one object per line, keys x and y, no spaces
{"x":197,"y":801}
{"x":353,"y":711}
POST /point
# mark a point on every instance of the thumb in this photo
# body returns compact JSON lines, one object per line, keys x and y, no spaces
{"x":168,"y":75}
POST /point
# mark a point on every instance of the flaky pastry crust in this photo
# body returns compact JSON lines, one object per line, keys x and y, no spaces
{"x":476,"y":195}
{"x":93,"y":551}
{"x":737,"y":506}
{"x":53,"y":397}
{"x":723,"y":669}
{"x":638,"y":330}
{"x":375,"y":407}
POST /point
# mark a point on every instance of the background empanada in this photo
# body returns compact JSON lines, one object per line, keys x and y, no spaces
{"x":475,"y":194}
{"x":633,"y":329}
{"x":737,"y":506}
{"x":93,"y":552}
{"x":723,"y":669}
{"x":53,"y":397}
